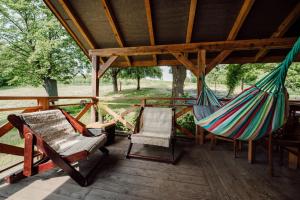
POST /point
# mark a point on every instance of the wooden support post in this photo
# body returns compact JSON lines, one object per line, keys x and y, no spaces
{"x":251,"y":153}
{"x":143,"y":102}
{"x":95,"y":87}
{"x":43,"y":102}
{"x":200,"y":133}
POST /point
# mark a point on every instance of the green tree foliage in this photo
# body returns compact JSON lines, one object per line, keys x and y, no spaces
{"x":141,"y":72}
{"x":240,"y":74}
{"x":232,"y":77}
{"x":293,"y":77}
{"x":216,"y":76}
{"x":35,"y":48}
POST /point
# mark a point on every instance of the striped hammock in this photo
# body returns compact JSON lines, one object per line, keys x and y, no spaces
{"x":207,"y":102}
{"x":258,"y":110}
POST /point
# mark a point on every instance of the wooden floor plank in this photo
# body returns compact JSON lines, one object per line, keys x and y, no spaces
{"x":199,"y":174}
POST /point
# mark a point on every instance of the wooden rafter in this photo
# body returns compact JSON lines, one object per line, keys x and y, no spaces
{"x":191,"y":19}
{"x":252,"y":44}
{"x":246,"y":7}
{"x":282,"y":29}
{"x":190,"y":25}
{"x":150,"y":26}
{"x":114,"y":28}
{"x":106,"y":65}
{"x":78,"y":24}
{"x":186,"y":62}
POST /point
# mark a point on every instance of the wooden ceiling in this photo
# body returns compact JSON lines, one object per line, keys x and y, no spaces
{"x":232,"y":31}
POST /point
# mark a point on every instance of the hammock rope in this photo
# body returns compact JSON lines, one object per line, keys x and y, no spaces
{"x":259,"y":110}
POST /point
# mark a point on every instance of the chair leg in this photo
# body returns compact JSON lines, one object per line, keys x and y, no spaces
{"x":129,"y":150}
{"x":104,"y":150}
{"x":173,"y":151}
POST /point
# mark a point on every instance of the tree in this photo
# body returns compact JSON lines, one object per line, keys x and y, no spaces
{"x":179,"y":75}
{"x":141,"y":72}
{"x":232,"y":77}
{"x":35,"y":49}
{"x":216,"y":75}
{"x":293,"y":77}
{"x":237,"y":73}
{"x":112,"y":75}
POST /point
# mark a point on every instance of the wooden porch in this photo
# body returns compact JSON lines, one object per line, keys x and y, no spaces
{"x":199,"y":174}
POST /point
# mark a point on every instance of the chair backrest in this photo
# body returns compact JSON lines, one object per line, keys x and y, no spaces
{"x":157,"y":119}
{"x":51,"y":125}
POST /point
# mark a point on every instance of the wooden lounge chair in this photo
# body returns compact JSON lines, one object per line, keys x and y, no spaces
{"x":155,"y":126}
{"x":60,"y":138}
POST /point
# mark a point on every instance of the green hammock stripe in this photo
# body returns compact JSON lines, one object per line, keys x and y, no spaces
{"x":257,"y":111}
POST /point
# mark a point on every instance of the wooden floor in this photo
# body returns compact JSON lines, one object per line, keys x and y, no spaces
{"x":199,"y":174}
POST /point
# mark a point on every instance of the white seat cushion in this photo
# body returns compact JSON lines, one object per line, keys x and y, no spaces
{"x":53,"y":127}
{"x":157,"y":127}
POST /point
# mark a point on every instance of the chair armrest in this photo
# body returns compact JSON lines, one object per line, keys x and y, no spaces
{"x":77,"y":125}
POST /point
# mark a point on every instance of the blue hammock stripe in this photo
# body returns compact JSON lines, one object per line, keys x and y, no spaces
{"x":207,"y":102}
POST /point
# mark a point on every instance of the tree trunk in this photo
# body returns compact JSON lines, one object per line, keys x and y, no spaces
{"x":138,"y":87}
{"x":114,"y":76}
{"x":50,"y":86}
{"x":179,"y":75}
{"x":242,"y":85}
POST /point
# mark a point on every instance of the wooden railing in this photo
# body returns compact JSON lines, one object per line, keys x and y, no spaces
{"x":182,"y":107}
{"x":42,"y":103}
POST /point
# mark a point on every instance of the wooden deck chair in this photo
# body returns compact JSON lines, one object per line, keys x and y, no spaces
{"x":155,"y":126}
{"x":60,"y":138}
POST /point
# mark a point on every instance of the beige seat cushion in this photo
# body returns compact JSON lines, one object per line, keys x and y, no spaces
{"x":58,"y":133}
{"x":157,"y":127}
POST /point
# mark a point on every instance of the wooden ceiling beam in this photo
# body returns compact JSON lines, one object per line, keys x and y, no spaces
{"x":78,"y":24}
{"x":252,"y":44}
{"x":175,"y":62}
{"x":114,"y":28}
{"x":150,"y":26}
{"x":246,"y":7}
{"x":282,"y":29}
{"x":186,"y":62}
{"x":104,"y":67}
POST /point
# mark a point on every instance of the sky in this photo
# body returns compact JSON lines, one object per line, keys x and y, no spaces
{"x":167,"y":75}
